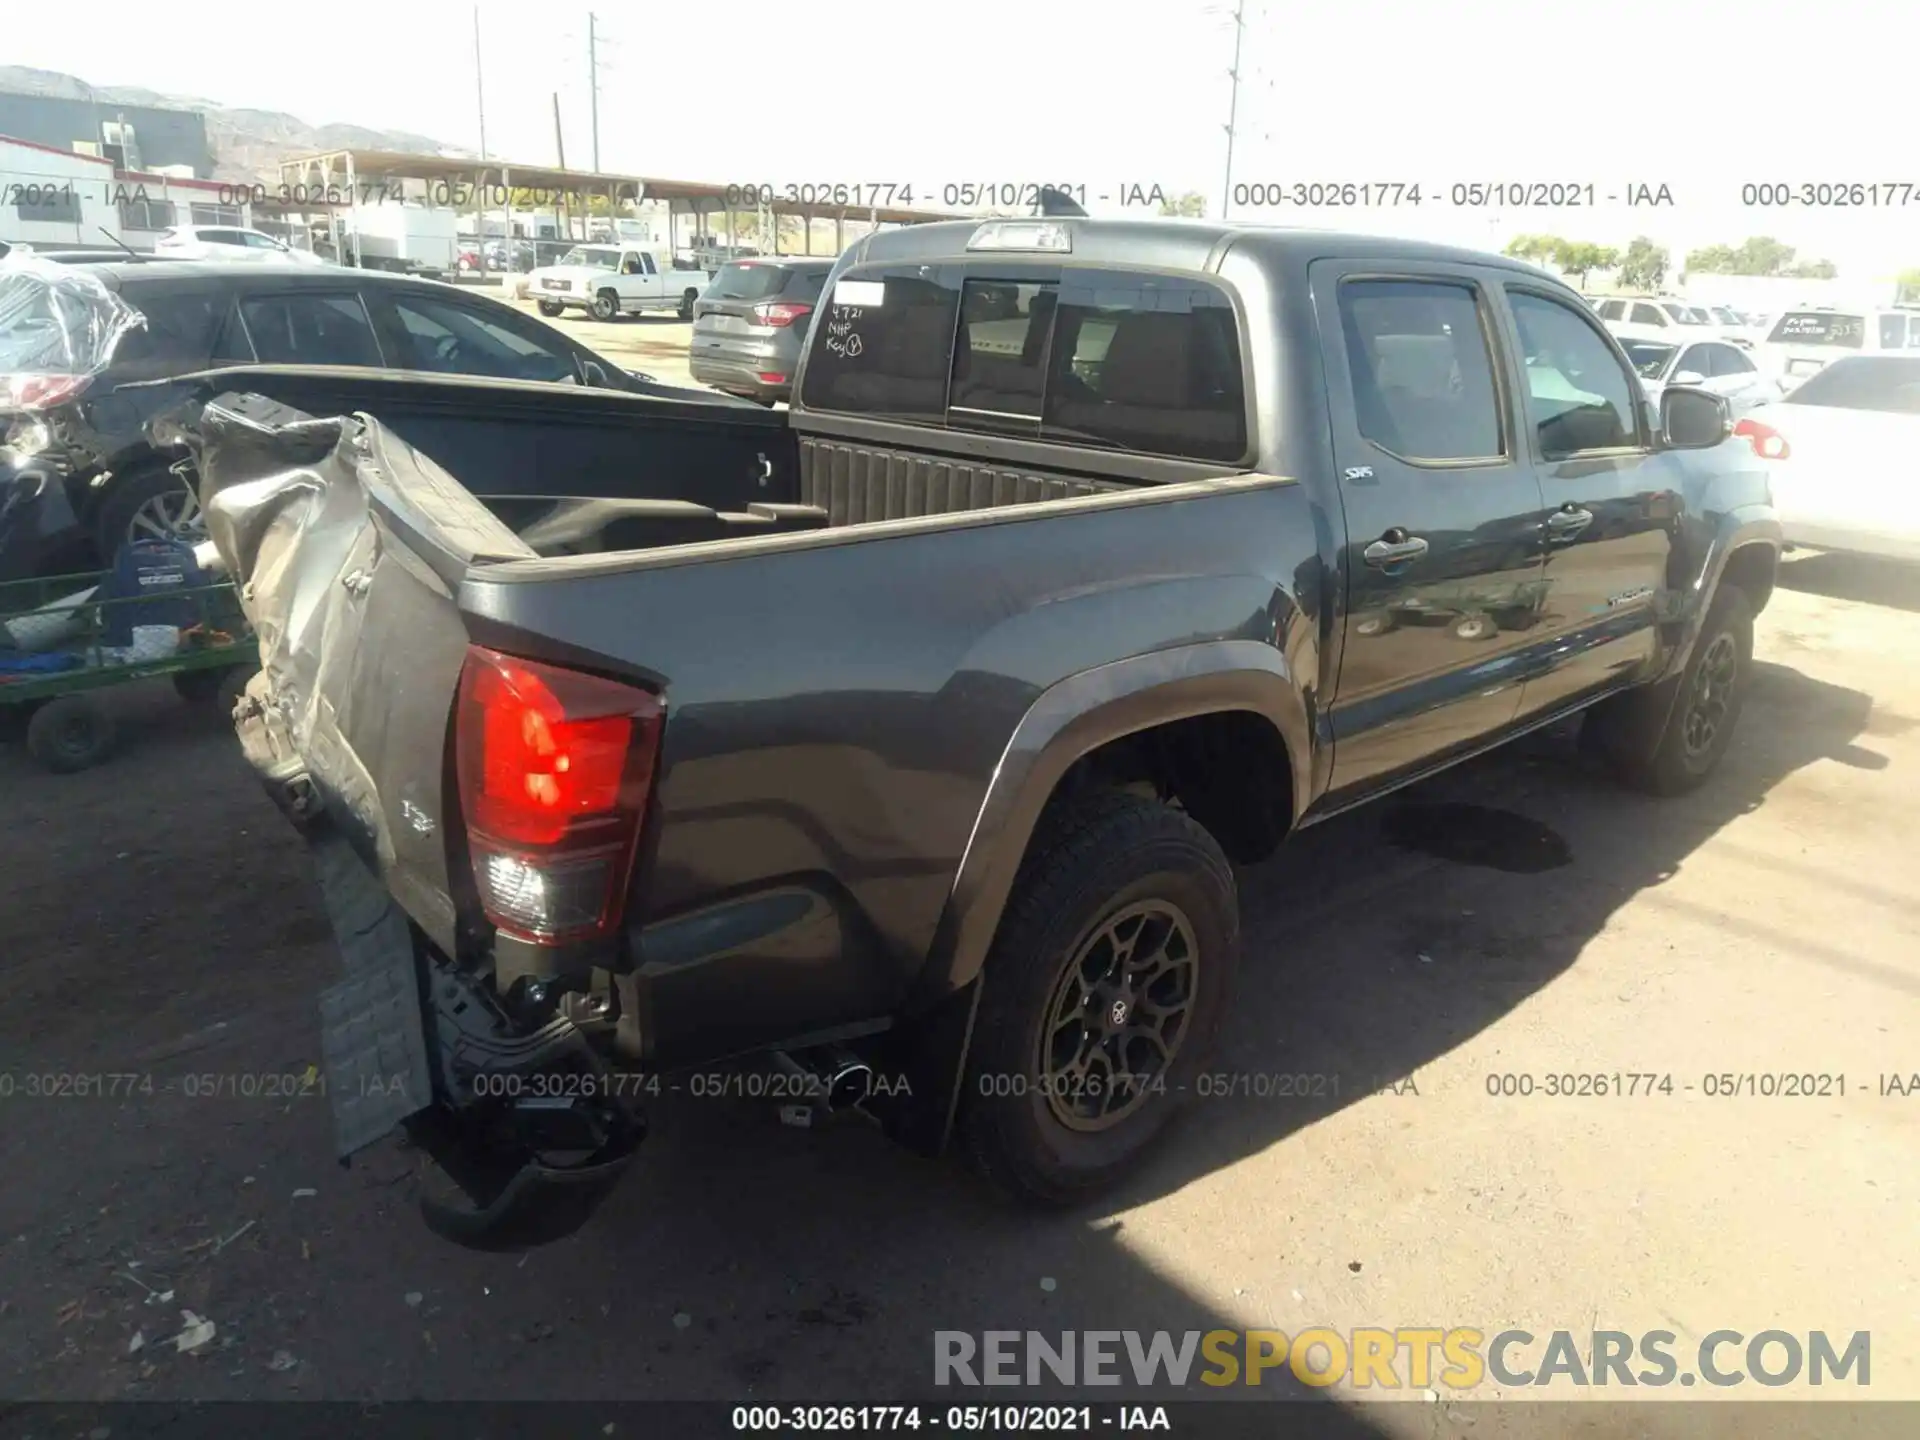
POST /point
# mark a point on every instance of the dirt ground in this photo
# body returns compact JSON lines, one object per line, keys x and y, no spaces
{"x":162,"y":924}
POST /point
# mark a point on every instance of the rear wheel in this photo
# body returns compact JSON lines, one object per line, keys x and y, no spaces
{"x":1475,"y":626}
{"x":605,"y":306}
{"x":552,"y":309}
{"x":1666,"y":739}
{"x":71,"y":733}
{"x":1107,"y":980}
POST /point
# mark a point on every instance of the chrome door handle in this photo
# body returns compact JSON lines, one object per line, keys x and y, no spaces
{"x":1386,"y":551}
{"x":1565,"y":524}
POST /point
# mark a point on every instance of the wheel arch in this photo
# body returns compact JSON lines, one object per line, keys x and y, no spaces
{"x":1162,"y":718}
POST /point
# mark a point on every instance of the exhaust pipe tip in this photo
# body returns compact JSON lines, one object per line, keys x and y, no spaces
{"x":849,"y":1084}
{"x":837,"y":1078}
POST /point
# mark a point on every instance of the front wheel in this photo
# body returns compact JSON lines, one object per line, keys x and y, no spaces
{"x":1107,"y":979}
{"x":687,"y":302}
{"x":1666,"y":739}
{"x":605,"y":306}
{"x":552,"y":309}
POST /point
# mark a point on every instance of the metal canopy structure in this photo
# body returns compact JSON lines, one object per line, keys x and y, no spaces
{"x":339,"y":180}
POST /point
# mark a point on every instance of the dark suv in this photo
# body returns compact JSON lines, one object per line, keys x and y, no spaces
{"x":750,"y":325}
{"x":77,"y":475}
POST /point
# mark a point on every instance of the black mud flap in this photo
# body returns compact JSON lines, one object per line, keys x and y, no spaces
{"x":379,"y":1067}
{"x":372,"y":1031}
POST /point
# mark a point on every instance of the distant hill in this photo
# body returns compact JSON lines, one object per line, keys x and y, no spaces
{"x":247,"y":144}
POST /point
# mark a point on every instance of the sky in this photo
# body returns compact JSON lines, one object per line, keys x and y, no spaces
{"x":1702,"y":97}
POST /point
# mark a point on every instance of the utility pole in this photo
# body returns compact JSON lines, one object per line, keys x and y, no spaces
{"x":1233,"y":103}
{"x":593,"y":82}
{"x":479,"y":82}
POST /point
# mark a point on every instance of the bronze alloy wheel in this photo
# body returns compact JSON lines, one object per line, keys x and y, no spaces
{"x":1117,"y":1015}
{"x":1712,"y":694}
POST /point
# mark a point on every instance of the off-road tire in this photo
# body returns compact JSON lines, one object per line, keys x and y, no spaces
{"x":1090,"y":859}
{"x":1643,"y":735}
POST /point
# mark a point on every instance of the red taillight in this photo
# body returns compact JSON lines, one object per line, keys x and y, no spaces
{"x":555,"y":769}
{"x":40,"y":392}
{"x":780,"y":313}
{"x":771,"y":377}
{"x":1767,"y":442}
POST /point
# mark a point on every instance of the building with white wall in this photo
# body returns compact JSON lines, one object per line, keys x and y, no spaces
{"x":56,"y":199}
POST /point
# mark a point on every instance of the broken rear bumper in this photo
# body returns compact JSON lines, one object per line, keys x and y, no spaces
{"x":523,"y":1130}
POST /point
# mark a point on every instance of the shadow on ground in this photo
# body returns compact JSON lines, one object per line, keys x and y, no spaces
{"x":164,"y":924}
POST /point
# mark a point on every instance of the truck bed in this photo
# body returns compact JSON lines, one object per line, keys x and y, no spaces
{"x":843,"y":665}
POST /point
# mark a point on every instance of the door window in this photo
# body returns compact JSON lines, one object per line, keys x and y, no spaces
{"x":1698,"y":359}
{"x":310,"y":329}
{"x":1579,"y":396}
{"x":1647,"y":315}
{"x":1613,"y":309}
{"x":1422,"y":372}
{"x":455,"y":339}
{"x":1893,"y":332}
{"x":1727,"y":361}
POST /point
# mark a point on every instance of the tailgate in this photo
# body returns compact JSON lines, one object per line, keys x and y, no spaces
{"x":350,"y":547}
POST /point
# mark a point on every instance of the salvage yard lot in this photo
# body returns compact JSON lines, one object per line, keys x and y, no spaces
{"x":162,"y":922}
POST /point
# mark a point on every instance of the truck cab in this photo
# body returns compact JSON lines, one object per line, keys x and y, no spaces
{"x":608,"y":281}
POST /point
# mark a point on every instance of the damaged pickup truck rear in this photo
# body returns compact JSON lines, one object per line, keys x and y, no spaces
{"x":908,"y":741}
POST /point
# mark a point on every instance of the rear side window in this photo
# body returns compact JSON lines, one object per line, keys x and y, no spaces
{"x":1423,"y":384}
{"x":180,"y":329}
{"x":310,"y":330}
{"x":1613,"y":310}
{"x":1646,"y":315}
{"x":1114,"y":359}
{"x":1820,"y":327}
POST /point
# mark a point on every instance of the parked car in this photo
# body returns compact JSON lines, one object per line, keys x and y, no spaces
{"x":608,"y":281}
{"x":936,"y":771}
{"x":232,"y":243}
{"x":1716,"y":365}
{"x":77,"y":435}
{"x":1650,"y":317}
{"x":1840,"y":448}
{"x":1804,"y":340}
{"x":750,"y":326}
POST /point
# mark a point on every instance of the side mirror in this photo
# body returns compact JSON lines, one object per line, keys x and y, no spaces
{"x":1693,"y":419}
{"x":1688,"y":377}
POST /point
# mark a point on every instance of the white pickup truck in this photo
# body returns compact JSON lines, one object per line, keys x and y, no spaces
{"x":609,"y":281}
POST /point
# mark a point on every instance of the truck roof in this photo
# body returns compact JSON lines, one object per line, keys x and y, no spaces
{"x":1173,"y":244}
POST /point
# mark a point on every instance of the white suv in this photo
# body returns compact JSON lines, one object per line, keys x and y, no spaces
{"x":1805,"y":338}
{"x":227,"y":242}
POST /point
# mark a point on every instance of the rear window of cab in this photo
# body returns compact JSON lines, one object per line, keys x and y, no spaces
{"x":1121,"y":360}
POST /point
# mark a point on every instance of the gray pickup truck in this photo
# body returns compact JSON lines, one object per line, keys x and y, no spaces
{"x":907,"y":741}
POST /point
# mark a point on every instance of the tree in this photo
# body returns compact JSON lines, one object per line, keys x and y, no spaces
{"x":1534,"y":248}
{"x":1644,"y":266}
{"x":1580,"y":258}
{"x":1192,"y":204}
{"x":1758,"y":255}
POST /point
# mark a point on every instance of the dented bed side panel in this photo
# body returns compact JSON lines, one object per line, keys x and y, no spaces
{"x":348,"y":544}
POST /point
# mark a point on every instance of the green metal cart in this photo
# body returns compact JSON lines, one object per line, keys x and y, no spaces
{"x":55,"y":665}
